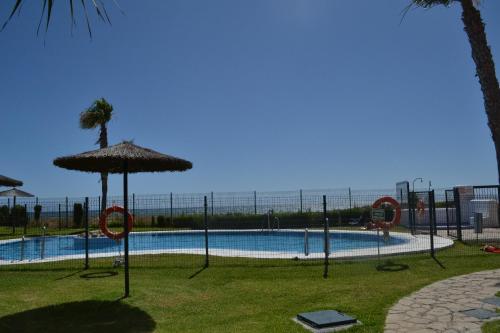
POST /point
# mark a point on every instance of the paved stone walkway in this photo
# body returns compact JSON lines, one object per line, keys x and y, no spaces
{"x":438,"y":307}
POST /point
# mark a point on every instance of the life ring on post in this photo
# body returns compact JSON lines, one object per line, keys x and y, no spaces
{"x":420,"y":207}
{"x":103,"y":223}
{"x":397,"y":214}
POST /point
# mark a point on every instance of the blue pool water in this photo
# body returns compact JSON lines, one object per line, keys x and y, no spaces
{"x":263,"y":241}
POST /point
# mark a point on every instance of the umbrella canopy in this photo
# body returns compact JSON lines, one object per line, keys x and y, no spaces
{"x":14,"y":192}
{"x":111,"y":160}
{"x":6,"y":181}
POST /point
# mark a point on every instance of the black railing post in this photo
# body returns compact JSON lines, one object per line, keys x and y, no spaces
{"x":301,"y":207}
{"x":447,"y":213}
{"x":171,"y":210}
{"x":255,"y":202}
{"x":212,"y":202}
{"x":350,"y":200}
{"x":67,"y":213}
{"x":133,"y":204}
{"x":59,"y":219}
{"x":326,"y":236}
{"x":431,"y":220}
{"x":205,"y":205}
{"x":14,"y":215}
{"x":458,"y":213}
{"x":86,"y":232}
{"x":26,"y":218}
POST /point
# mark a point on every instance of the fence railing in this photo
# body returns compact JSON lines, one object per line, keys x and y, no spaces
{"x":304,"y":226}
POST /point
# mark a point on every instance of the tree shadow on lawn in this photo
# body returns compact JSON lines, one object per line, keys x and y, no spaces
{"x":84,"y":316}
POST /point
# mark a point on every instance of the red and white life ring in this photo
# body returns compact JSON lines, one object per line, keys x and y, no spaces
{"x":420,"y":207}
{"x":397,"y":212}
{"x":103,"y":223}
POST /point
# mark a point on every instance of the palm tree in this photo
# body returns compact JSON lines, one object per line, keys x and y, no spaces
{"x":47,"y":6}
{"x":485,"y":67}
{"x":98,"y":115}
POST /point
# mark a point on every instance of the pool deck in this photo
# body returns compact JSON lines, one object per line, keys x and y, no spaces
{"x":412,"y":244}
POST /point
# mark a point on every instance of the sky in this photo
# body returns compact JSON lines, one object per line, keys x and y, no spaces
{"x":259,"y":95}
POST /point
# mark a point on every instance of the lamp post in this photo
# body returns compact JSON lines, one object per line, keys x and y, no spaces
{"x":414,"y":180}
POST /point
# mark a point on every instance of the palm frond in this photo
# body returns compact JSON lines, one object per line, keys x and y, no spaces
{"x":432,"y":3}
{"x":48,"y":5}
{"x":98,"y":113}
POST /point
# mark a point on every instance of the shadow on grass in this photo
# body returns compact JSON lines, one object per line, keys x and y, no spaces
{"x":98,"y":275}
{"x":390,"y":266}
{"x":84,"y":316}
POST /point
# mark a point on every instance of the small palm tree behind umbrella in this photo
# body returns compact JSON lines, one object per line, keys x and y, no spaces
{"x":98,"y":115}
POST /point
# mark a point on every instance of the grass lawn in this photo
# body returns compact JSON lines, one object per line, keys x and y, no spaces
{"x":229,"y":296}
{"x":492,"y":326}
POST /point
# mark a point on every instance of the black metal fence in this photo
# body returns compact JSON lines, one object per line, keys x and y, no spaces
{"x":304,"y":226}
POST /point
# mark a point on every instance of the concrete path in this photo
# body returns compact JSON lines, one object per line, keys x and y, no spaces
{"x":438,"y":307}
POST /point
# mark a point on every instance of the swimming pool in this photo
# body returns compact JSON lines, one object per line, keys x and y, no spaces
{"x":231,"y":243}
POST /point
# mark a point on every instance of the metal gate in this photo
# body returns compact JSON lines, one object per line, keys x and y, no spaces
{"x":422,"y":212}
{"x":476,"y":213}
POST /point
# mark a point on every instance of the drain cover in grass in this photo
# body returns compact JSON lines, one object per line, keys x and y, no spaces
{"x":326,"y":318}
{"x":492,"y":300}
{"x":480,"y":313}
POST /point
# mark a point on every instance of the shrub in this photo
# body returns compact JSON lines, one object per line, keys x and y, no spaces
{"x":19,"y":215}
{"x":38,"y":213}
{"x":161,"y":221}
{"x":77,"y":215}
{"x":4,"y":215}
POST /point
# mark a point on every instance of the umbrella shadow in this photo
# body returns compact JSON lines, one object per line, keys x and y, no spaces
{"x":84,"y":316}
{"x":390,"y":266}
{"x":98,"y":275}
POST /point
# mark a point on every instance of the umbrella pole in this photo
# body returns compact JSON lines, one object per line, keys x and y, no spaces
{"x":125,"y":224}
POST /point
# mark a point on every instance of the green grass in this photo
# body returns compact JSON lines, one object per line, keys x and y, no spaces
{"x":492,"y":326}
{"x":233,"y":295}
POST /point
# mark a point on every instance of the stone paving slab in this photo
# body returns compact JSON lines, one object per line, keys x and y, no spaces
{"x":438,"y":308}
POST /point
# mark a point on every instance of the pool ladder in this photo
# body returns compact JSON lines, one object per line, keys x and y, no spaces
{"x":276,"y":221}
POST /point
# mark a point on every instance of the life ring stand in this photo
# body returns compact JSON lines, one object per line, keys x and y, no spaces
{"x":103,"y":223}
{"x":397,"y":215}
{"x":420,"y":207}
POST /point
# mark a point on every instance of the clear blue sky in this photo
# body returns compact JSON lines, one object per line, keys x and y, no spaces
{"x":261,"y":94}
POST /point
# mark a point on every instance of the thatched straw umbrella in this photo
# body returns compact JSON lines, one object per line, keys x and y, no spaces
{"x":15,"y":193}
{"x":123,"y":158}
{"x":6,"y":181}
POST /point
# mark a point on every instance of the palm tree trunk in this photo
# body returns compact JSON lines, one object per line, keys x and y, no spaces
{"x":485,"y":69}
{"x":103,"y":143}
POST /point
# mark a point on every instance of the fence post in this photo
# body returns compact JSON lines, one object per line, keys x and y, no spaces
{"x":431,"y":220}
{"x":301,"y":202}
{"x":350,"y":200}
{"x":205,"y":205}
{"x":86,"y":233}
{"x":255,"y":202}
{"x":327,"y":245}
{"x":13,"y":215}
{"x":67,"y":213}
{"x":458,"y":213}
{"x":447,"y":214}
{"x":171,"y":210}
{"x":59,"y":220}
{"x":133,"y":205}
{"x":212,"y":202}
{"x":26,"y":219}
